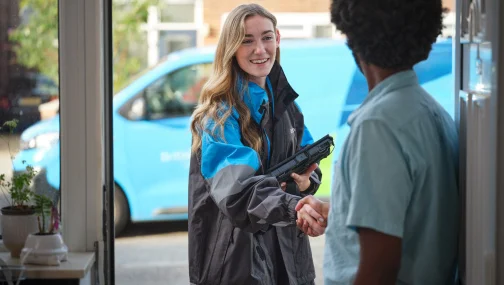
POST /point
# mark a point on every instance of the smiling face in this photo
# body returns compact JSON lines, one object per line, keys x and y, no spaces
{"x":257,"y":51}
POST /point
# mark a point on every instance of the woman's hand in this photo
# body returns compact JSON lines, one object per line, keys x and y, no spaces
{"x":312,"y":216}
{"x":302,"y":180}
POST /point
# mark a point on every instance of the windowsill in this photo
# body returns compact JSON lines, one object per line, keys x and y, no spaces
{"x":77,"y":266}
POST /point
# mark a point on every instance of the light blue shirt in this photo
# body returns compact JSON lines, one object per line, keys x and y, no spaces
{"x":397,"y":174}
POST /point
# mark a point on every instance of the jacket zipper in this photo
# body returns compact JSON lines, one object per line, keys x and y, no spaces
{"x":268,"y":148}
{"x":266,"y":141}
{"x":232,"y":236}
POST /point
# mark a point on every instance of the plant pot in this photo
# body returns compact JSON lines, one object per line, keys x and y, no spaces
{"x":44,"y":249}
{"x":16,"y":226}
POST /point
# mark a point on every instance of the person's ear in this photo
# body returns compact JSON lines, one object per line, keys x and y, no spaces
{"x":277,"y":37}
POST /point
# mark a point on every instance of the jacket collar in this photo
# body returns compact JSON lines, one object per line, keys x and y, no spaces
{"x":256,"y":100}
{"x":283,"y":92}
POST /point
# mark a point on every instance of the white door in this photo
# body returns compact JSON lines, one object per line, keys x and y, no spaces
{"x":477,"y":86}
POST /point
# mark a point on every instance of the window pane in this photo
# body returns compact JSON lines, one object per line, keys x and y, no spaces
{"x":170,"y":41}
{"x":324,"y":31}
{"x":29,"y":94}
{"x":177,"y":13}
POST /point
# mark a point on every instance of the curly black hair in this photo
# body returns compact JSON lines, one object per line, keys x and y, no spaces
{"x":389,"y":33}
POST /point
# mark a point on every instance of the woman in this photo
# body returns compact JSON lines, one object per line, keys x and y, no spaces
{"x":242,"y":225}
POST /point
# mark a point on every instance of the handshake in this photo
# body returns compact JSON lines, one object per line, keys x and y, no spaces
{"x":312,"y":216}
{"x":311,"y":212}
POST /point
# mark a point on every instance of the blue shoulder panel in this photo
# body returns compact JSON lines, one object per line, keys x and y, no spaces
{"x":216,"y":153}
{"x":307,"y":137}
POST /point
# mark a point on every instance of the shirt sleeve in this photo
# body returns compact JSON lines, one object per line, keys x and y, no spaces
{"x":379,"y":179}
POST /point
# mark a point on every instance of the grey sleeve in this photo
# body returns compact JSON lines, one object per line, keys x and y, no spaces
{"x":252,"y":202}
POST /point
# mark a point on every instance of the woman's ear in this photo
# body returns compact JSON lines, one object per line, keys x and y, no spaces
{"x":277,"y":37}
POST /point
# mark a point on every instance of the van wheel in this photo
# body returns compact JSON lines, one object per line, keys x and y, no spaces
{"x":121,"y":210}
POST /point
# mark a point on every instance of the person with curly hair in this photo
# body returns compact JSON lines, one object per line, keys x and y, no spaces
{"x":393,"y":217}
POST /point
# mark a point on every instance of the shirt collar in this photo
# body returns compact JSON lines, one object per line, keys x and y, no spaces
{"x":393,"y":82}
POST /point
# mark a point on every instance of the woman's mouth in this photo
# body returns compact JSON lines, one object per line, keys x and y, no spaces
{"x":259,"y":61}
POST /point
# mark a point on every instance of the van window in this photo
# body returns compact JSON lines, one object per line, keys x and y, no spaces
{"x":177,"y":93}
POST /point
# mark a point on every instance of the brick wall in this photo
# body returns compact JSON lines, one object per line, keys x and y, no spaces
{"x":213,"y":10}
{"x":450,"y":4}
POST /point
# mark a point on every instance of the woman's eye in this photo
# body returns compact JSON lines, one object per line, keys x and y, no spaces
{"x":246,"y":41}
{"x":268,"y":38}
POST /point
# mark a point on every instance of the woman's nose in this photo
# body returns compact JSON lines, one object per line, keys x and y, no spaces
{"x":259,"y":49}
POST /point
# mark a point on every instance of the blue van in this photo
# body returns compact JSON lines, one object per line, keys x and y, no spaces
{"x":151,"y":118}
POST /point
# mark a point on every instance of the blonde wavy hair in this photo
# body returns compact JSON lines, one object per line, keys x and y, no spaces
{"x":220,"y":94}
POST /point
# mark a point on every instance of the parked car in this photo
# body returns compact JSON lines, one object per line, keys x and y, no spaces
{"x":151,"y":119}
{"x":25,"y":92}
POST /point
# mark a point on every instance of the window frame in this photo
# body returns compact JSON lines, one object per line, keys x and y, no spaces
{"x":81,"y":123}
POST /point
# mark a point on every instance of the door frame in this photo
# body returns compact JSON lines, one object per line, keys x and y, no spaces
{"x":82,"y":57}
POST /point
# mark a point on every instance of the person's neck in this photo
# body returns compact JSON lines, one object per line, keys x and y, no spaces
{"x":261,"y":82}
{"x":374,"y":74}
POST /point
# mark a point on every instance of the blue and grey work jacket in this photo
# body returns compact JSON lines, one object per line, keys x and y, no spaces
{"x":232,"y":202}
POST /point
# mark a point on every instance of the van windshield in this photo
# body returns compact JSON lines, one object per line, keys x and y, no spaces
{"x":139,"y":74}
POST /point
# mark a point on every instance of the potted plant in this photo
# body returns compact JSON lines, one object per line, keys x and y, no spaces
{"x":45,"y":247}
{"x":18,"y":219}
